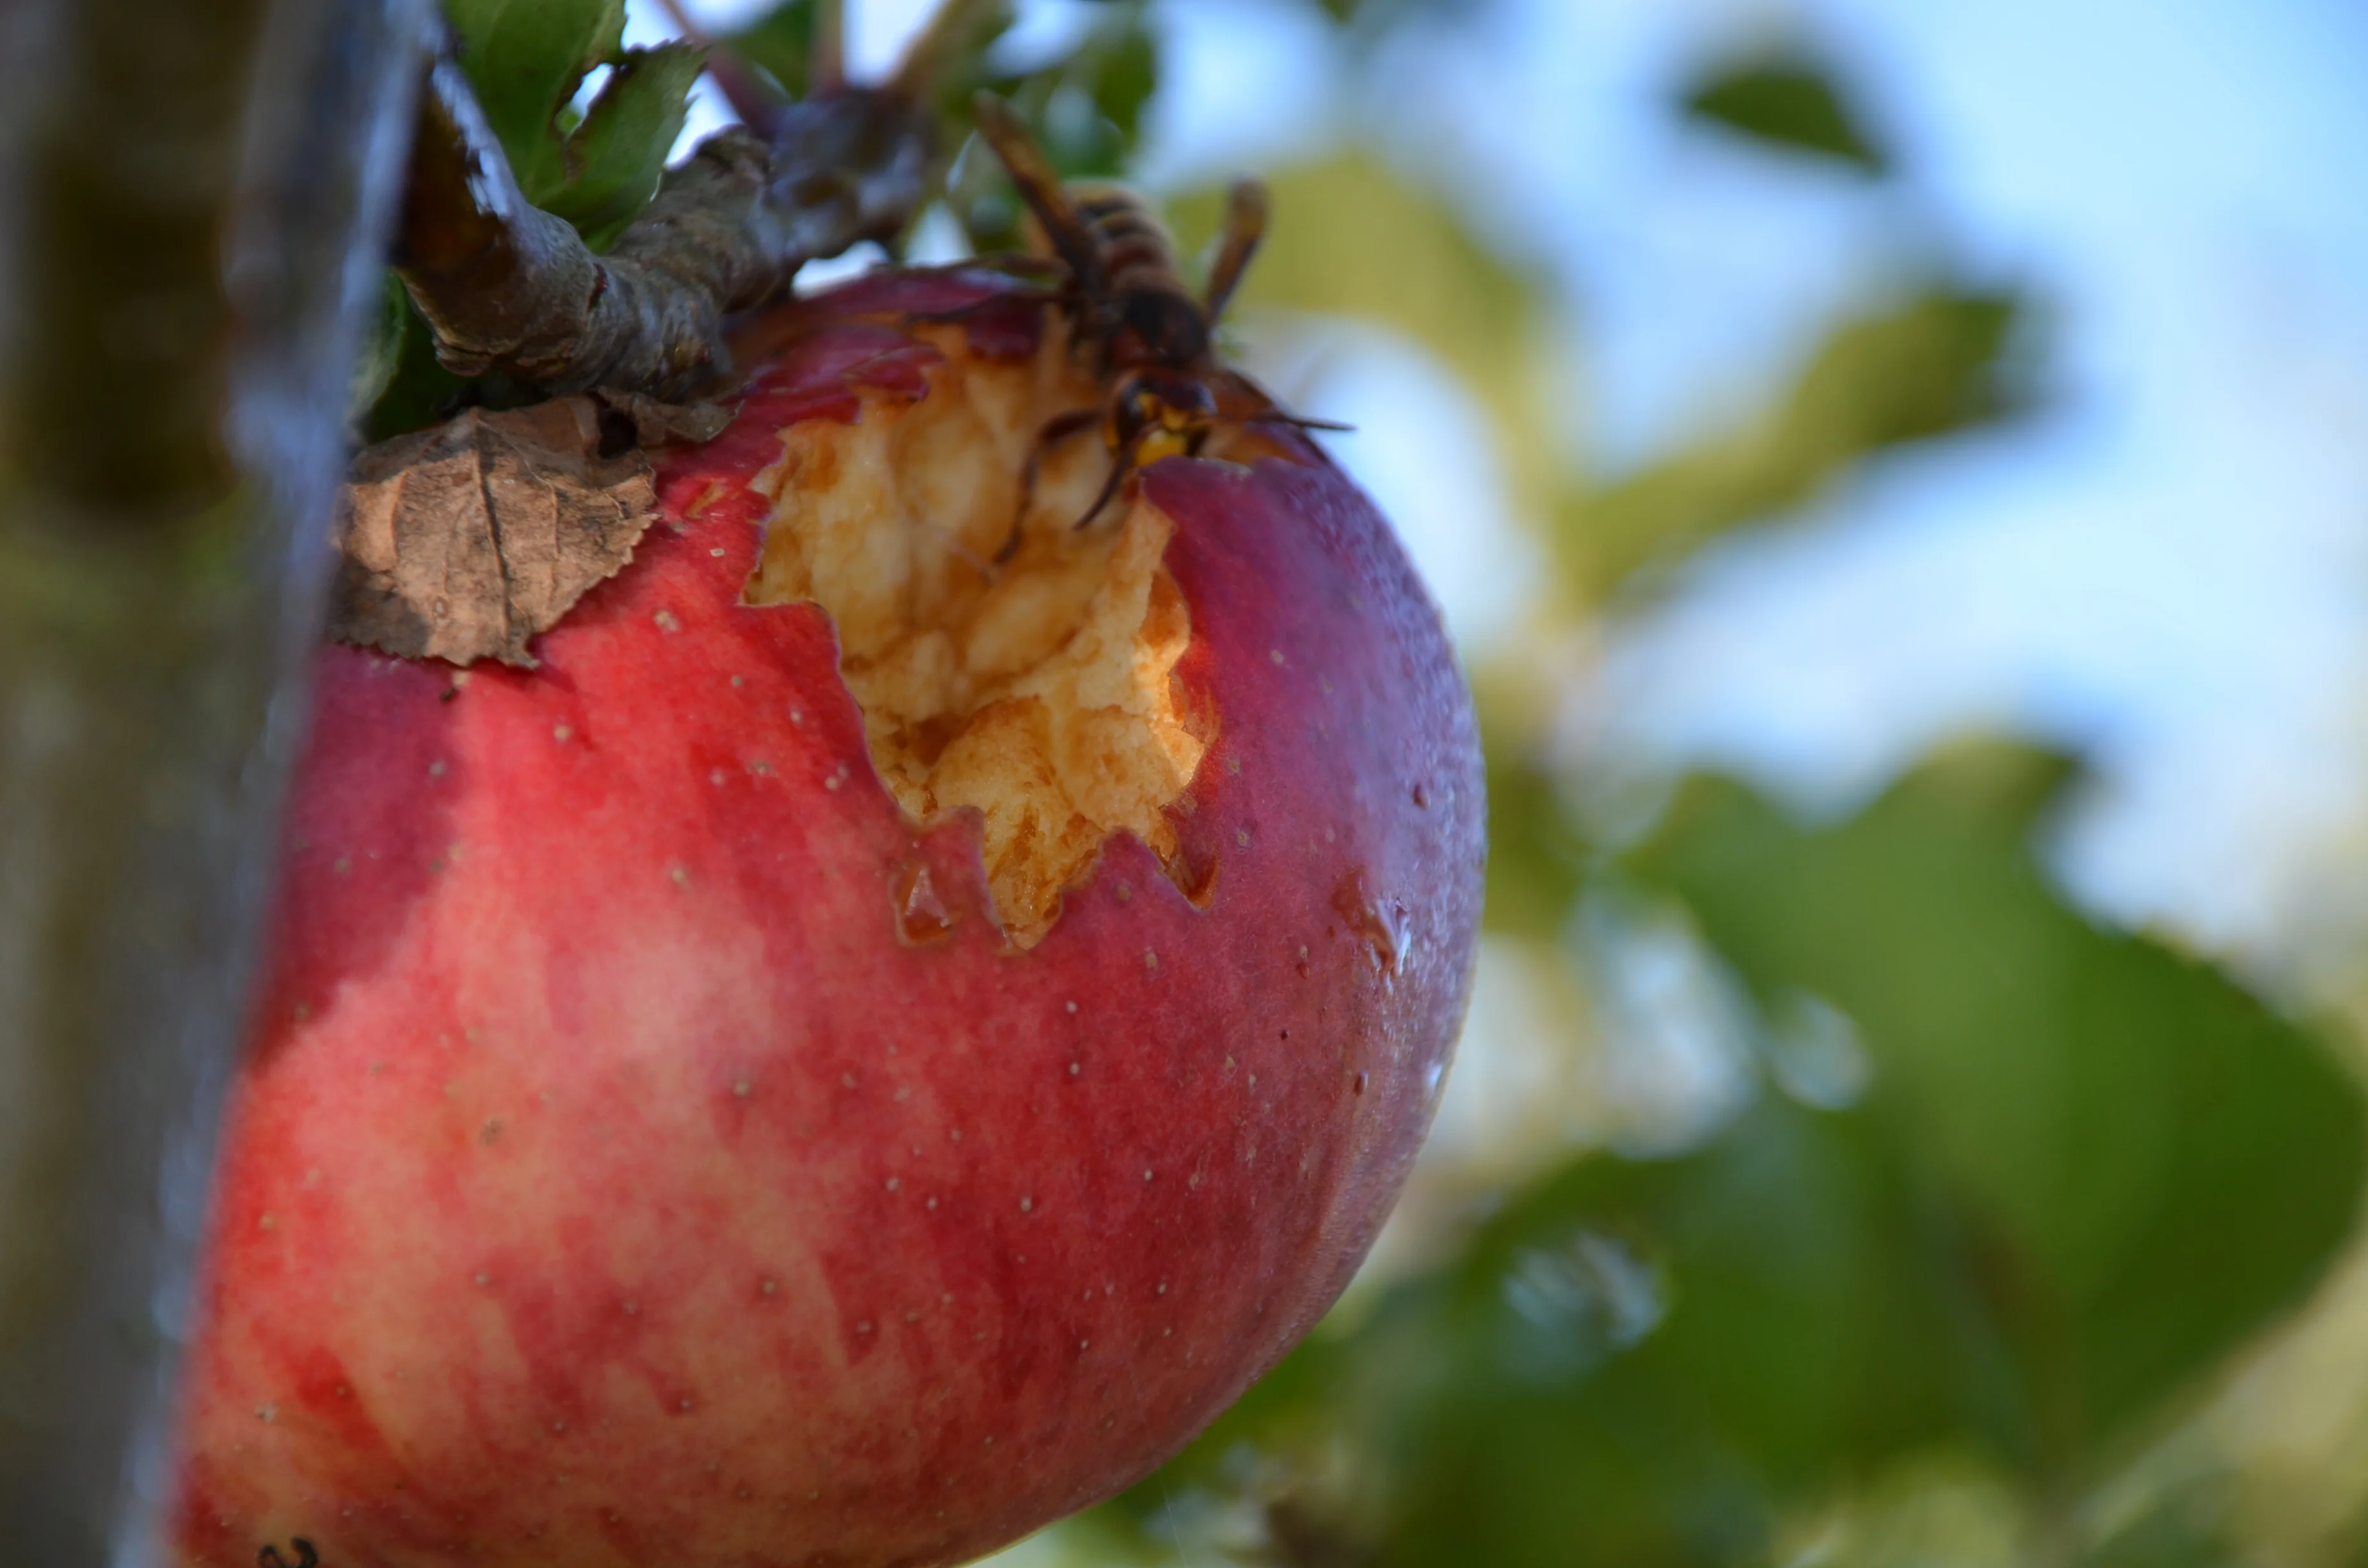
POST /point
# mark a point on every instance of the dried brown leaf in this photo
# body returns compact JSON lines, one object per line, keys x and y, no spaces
{"x":463,"y":542}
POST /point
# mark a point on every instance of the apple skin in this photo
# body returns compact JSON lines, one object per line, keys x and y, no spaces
{"x":613,"y":1180}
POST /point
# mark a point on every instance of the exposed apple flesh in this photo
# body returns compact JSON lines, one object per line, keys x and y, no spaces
{"x":669,"y":1140}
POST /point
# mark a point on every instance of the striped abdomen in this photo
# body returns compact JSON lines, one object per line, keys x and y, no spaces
{"x":1155,"y":320}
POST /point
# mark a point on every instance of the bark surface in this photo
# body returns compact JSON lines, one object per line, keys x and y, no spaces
{"x":192,"y":204}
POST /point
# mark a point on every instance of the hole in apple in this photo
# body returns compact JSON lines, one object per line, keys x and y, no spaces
{"x":1005,"y":659}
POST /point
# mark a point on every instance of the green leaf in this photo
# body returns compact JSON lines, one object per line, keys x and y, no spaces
{"x":1084,"y":108}
{"x":1537,"y":857}
{"x":1634,"y":1363}
{"x":1789,"y":104}
{"x":780,"y":43}
{"x":381,"y":351}
{"x":418,"y":391}
{"x":526,"y":57}
{"x":620,"y":148}
{"x":1125,"y":71}
{"x":2149,"y":1163}
{"x":1935,"y":364}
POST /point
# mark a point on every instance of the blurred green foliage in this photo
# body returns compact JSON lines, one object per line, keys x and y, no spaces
{"x":1538,"y":859}
{"x":2143,"y":1161}
{"x":1084,"y":105}
{"x":1787,"y":103}
{"x":780,"y":43}
{"x":1937,"y":362}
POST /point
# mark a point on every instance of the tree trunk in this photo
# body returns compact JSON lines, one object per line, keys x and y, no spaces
{"x":192,"y":203}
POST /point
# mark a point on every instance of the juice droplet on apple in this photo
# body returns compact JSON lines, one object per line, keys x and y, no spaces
{"x":921,"y":914}
{"x":1378,"y":922}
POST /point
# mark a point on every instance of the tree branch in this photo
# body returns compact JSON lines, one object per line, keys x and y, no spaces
{"x":192,"y":202}
{"x":510,"y":287}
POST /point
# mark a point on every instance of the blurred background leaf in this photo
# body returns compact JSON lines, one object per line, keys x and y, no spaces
{"x":779,"y":42}
{"x":1538,"y":854}
{"x":1791,"y":104}
{"x":1935,"y":364}
{"x":1083,"y":103}
{"x":2148,"y":1163}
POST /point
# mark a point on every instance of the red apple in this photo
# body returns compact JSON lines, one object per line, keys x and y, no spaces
{"x":849,"y":1060}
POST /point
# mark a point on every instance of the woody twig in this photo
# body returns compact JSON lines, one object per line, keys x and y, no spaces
{"x":510,"y":287}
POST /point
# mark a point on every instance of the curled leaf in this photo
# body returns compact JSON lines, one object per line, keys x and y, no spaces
{"x":464,"y":541}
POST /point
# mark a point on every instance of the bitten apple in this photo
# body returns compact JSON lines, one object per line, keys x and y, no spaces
{"x":881,"y":1036}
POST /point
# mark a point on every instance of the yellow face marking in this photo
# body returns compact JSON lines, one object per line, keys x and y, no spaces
{"x":1166,"y":442}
